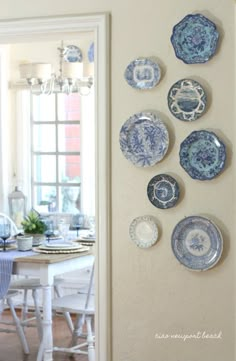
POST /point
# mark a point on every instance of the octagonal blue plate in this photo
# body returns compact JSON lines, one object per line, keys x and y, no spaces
{"x":197,"y":243}
{"x":143,"y":74}
{"x":202,"y":155}
{"x":144,"y":139}
{"x":187,"y":100}
{"x":163,"y":191}
{"x":195,"y":39}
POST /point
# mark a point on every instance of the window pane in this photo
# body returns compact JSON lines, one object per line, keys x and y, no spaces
{"x":69,"y":138}
{"x":45,"y":168}
{"x":44,"y":138}
{"x":45,"y":198}
{"x":69,"y":199}
{"x":69,"y":168}
{"x":68,"y":107}
{"x":43,"y":108}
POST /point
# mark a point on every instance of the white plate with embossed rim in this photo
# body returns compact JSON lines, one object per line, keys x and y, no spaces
{"x":66,"y":245}
{"x":143,"y":231}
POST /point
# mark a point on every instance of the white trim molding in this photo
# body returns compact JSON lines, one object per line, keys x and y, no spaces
{"x":21,"y":30}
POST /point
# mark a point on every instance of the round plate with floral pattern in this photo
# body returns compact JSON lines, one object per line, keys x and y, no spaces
{"x":144,"y":139}
{"x":73,"y":54}
{"x":143,"y":231}
{"x":202,"y":155}
{"x":197,"y":243}
{"x":163,"y":191}
{"x":187,"y":100}
{"x":143,"y":74}
{"x":195,"y":39}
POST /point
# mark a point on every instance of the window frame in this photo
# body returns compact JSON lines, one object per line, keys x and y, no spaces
{"x":57,"y":153}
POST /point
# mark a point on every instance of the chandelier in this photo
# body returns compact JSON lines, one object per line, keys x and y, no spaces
{"x":70,"y":79}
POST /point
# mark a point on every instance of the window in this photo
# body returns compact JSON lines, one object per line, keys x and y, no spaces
{"x":56,"y":152}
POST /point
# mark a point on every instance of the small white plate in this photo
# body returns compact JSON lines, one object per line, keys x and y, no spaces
{"x":143,"y":231}
{"x":68,"y":245}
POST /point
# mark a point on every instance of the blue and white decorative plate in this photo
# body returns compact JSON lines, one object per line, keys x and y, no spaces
{"x":144,"y":139}
{"x":195,"y":39}
{"x":163,"y":191}
{"x":143,"y":231}
{"x":202,"y":155}
{"x":187,"y":100}
{"x":197,"y":243}
{"x":143,"y":74}
{"x":91,"y":53}
{"x":73,"y":54}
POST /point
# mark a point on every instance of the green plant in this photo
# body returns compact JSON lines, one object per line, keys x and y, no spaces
{"x":33,"y":224}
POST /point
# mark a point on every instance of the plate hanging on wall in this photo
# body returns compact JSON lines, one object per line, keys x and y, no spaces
{"x":143,"y":74}
{"x":197,"y":243}
{"x":143,"y":231}
{"x":73,"y":54}
{"x":187,"y":100}
{"x":202,"y":155}
{"x":195,"y":39}
{"x":91,"y":53}
{"x":163,"y":191}
{"x":144,"y":139}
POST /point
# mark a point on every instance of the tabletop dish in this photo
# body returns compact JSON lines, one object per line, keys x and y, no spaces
{"x":195,"y":39}
{"x":187,"y":100}
{"x":202,"y":155}
{"x":73,"y":54}
{"x":61,"y":251}
{"x":143,"y":73}
{"x":143,"y":231}
{"x":163,"y":191}
{"x":144,"y":139}
{"x":59,"y":245}
{"x":197,"y":243}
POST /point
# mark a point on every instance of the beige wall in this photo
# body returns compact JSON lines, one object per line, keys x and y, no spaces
{"x":152,"y":293}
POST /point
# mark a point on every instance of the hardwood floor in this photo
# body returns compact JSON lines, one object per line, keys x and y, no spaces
{"x":10,"y":348}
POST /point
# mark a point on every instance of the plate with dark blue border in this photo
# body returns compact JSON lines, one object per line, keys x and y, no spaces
{"x":195,"y":39}
{"x":202,"y":155}
{"x":163,"y":191}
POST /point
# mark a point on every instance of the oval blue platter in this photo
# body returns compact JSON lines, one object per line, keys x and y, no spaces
{"x":197,"y":243}
{"x":187,"y":100}
{"x":144,"y":139}
{"x":195,"y":39}
{"x":202,"y":155}
{"x":163,"y":191}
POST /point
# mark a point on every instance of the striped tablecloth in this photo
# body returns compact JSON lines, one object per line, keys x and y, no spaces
{"x":6,"y":264}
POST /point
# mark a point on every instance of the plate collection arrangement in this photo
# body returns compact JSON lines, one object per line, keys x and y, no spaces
{"x":196,"y":241}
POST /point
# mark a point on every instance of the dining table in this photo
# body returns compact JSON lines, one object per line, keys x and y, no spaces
{"x":46,"y":267}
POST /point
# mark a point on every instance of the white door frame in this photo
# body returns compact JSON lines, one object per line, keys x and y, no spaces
{"x":19,"y":30}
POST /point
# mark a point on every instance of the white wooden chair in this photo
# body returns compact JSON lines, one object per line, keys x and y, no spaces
{"x":25,"y":285}
{"x":83,"y":306}
{"x":14,"y":326}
